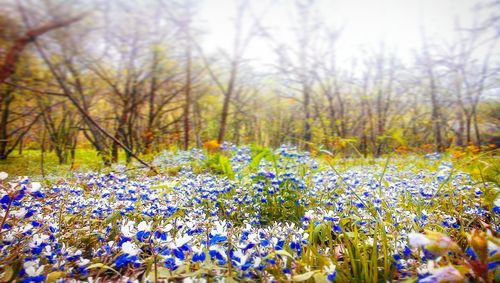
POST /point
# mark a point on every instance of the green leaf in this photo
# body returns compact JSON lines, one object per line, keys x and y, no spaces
{"x":226,"y":167}
{"x":320,"y":278}
{"x":254,"y":164}
{"x":181,"y":269}
{"x":102,"y":265}
{"x":8,"y":274}
{"x":284,"y":253}
{"x":304,"y":276}
{"x":162,"y":272}
{"x":53,"y":276}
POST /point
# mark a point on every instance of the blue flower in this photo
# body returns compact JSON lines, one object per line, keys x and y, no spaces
{"x":496,"y":209}
{"x":125,"y":259}
{"x":217,"y":239}
{"x":296,"y":246}
{"x":337,"y":228}
{"x":406,"y":251}
{"x":29,"y":213}
{"x":34,"y":279}
{"x":179,"y":254}
{"x":38,"y":194}
{"x":215,"y":254}
{"x":249,"y":246}
{"x":170,"y":263}
{"x":38,"y":249}
{"x":331,"y":276}
{"x":279,"y":245}
{"x":161,"y":235}
{"x":5,"y":199}
{"x":201,"y":256}
{"x":470,"y":252}
{"x":19,"y":196}
{"x":493,"y":265}
{"x":142,"y":235}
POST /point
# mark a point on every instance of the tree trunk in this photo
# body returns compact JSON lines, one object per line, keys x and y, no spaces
{"x":4,"y":136}
{"x":187,"y":105}
{"x":476,"y":127}
{"x":227,"y":99}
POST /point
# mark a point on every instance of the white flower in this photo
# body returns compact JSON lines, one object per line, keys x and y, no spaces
{"x":38,"y":239}
{"x":330,"y":268}
{"x":493,"y":248}
{"x":220,"y":250}
{"x":32,"y":269}
{"x":309,"y":214}
{"x":19,"y":213}
{"x":180,"y":241}
{"x":418,"y":240}
{"x":3,"y":176}
{"x":130,"y":248}
{"x":35,"y":187}
{"x":83,"y":261}
{"x":257,"y":262}
{"x":369,"y":241}
{"x":220,"y":228}
{"x":47,"y":250}
{"x":444,"y":274}
{"x":144,"y":226}
{"x":253,"y":237}
{"x":128,"y":229}
{"x":243,"y":258}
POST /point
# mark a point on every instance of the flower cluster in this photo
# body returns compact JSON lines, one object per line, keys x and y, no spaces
{"x":285,"y":216}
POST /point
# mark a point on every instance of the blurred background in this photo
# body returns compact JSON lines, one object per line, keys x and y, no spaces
{"x":128,"y":78}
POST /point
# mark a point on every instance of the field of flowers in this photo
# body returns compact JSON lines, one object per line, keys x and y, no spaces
{"x":246,"y":214}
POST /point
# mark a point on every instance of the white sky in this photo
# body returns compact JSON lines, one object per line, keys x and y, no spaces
{"x":366,"y":23}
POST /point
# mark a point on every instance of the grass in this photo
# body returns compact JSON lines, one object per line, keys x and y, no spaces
{"x":360,"y":243}
{"x":29,"y":163}
{"x":484,"y":167}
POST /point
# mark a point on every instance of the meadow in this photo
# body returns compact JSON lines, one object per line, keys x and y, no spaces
{"x":249,"y":141}
{"x":248,"y":213}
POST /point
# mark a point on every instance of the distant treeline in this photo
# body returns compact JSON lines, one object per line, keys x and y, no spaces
{"x":119,"y":75}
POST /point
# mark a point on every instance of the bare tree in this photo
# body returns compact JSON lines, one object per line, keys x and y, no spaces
{"x":428,"y":65}
{"x":14,"y":53}
{"x":469,"y":64}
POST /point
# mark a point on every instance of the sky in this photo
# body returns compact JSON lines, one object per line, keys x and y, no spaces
{"x":365,"y":23}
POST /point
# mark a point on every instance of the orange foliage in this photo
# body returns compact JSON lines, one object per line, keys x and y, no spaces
{"x":473,"y":149}
{"x":428,"y":147}
{"x":148,"y":135}
{"x":457,"y":152}
{"x":211,"y":146}
{"x":402,"y":149}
